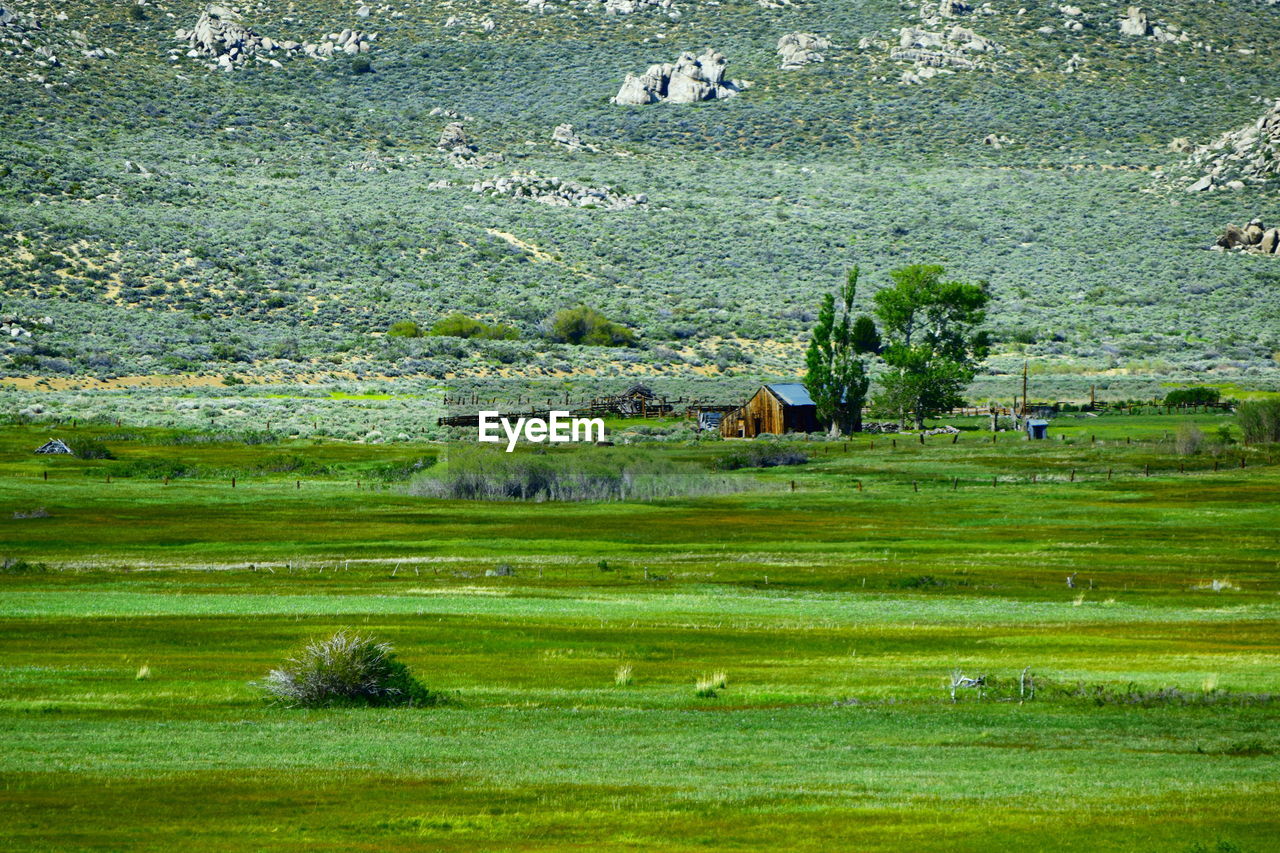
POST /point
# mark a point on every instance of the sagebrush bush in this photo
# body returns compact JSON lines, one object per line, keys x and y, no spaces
{"x":1260,"y":420}
{"x":584,"y":474}
{"x":761,"y":456}
{"x":347,"y":669}
{"x":1189,"y":440}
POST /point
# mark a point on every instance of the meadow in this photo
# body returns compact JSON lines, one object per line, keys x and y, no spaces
{"x":838,"y":596}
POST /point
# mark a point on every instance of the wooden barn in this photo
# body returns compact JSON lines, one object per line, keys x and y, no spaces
{"x":777,"y":408}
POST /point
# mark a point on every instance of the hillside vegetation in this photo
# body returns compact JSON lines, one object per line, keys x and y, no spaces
{"x":280,"y":217}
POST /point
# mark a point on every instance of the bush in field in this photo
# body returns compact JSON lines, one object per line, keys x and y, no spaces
{"x":458,"y":325}
{"x":347,"y":669}
{"x":1260,"y":420}
{"x":761,"y":456}
{"x":1199,"y":395}
{"x":404,"y":329}
{"x":588,"y":327}
{"x":89,"y":448}
{"x":1189,"y":439}
{"x":475,"y":473}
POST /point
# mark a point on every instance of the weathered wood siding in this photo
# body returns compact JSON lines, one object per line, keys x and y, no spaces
{"x":766,"y":413}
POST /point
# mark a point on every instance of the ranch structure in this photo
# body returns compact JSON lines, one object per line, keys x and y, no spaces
{"x":775,"y":409}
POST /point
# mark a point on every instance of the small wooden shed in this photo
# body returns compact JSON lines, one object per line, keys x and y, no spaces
{"x":1037,"y":428}
{"x":777,"y":408}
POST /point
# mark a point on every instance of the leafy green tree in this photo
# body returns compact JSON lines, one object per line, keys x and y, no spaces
{"x":588,"y":327}
{"x":837,"y":376}
{"x":932,"y":340}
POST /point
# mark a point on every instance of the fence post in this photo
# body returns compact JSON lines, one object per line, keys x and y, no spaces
{"x":915,"y":484}
{"x":233,"y":482}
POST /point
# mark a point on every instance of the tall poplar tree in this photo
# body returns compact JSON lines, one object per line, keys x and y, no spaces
{"x":837,"y":377}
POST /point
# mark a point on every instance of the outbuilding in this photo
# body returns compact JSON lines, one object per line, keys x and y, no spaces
{"x":777,"y":408}
{"x":1037,"y":428}
{"x":55,"y":445}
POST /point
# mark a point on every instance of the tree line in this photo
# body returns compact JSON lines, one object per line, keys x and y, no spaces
{"x":923,"y":330}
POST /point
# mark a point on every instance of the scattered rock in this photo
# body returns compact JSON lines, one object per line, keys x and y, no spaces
{"x":530,"y":186}
{"x":996,"y":142}
{"x":464,"y":154}
{"x":1205,"y":183}
{"x":690,"y":78}
{"x":799,"y":49}
{"x":453,"y":136}
{"x":955,"y":48}
{"x":564,"y":135}
{"x":1074,"y":64}
{"x":1135,"y":23}
{"x":630,"y":7}
{"x":1253,"y":238}
{"x":953,"y":8}
{"x":221,"y":34}
{"x":1246,"y":156}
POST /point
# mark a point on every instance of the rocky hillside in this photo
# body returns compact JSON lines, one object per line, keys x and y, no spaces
{"x":259,"y":188}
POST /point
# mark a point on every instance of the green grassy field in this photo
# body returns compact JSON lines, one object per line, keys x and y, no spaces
{"x":838,"y":613}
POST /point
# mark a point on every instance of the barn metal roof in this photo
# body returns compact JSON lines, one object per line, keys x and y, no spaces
{"x":791,"y":393}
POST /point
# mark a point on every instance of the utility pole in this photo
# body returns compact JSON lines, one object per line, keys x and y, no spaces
{"x":1024,"y":389}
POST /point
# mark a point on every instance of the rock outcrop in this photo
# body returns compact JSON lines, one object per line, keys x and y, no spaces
{"x":956,"y":48}
{"x":530,"y":186}
{"x":799,"y":49}
{"x":1247,"y":156}
{"x":462,"y":152}
{"x":630,"y":7}
{"x":1254,"y":238}
{"x":1135,"y":23}
{"x":222,"y":35}
{"x":689,"y":79}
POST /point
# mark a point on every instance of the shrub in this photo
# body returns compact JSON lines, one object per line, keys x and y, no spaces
{"x":458,"y":325}
{"x":10,"y":566}
{"x":761,"y":456}
{"x":404,"y":329}
{"x":348,"y":669}
{"x":89,"y":448}
{"x":1260,"y":420}
{"x":360,"y":65}
{"x":1189,"y":439}
{"x":592,"y":474}
{"x":622,"y":675}
{"x":1197,"y":395}
{"x":588,"y":327}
